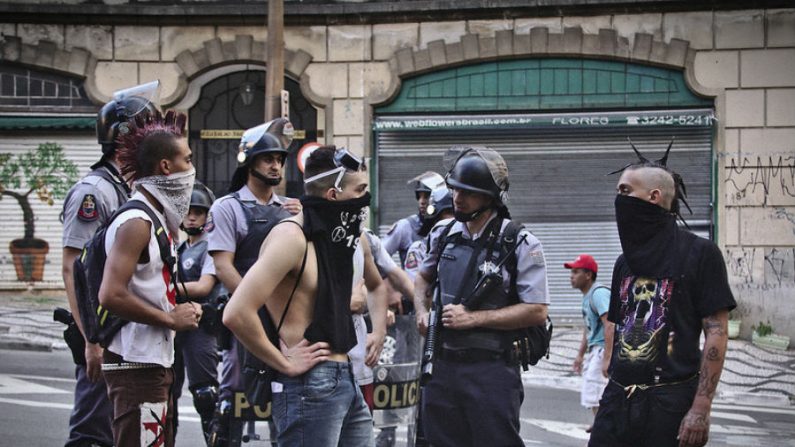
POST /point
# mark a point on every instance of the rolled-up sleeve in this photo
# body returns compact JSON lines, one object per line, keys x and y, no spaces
{"x":531,"y":271}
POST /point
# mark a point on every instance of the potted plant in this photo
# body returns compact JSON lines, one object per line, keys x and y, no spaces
{"x":764,"y":337}
{"x":48,"y":173}
{"x":734,"y":325}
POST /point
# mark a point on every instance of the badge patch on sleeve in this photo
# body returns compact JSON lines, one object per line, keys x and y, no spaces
{"x":411,"y":260}
{"x":209,"y":226}
{"x":88,"y":208}
{"x":153,"y":423}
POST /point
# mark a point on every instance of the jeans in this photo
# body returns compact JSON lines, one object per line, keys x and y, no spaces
{"x":322,"y":407}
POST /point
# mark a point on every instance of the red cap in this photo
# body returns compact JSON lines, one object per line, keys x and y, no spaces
{"x":583,"y":262}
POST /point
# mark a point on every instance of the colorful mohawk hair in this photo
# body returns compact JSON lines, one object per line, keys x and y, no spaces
{"x":662,"y":163}
{"x":134,"y":132}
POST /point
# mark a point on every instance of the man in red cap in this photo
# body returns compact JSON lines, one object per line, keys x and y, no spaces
{"x":593,"y":357}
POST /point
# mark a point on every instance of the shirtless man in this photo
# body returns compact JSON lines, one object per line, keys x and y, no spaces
{"x":306,"y":262}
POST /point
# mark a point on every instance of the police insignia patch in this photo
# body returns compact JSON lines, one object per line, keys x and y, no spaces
{"x":88,"y":208}
{"x":209,"y":226}
{"x":411,"y":260}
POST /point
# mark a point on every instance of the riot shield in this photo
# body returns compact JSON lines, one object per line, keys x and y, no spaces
{"x":396,"y":390}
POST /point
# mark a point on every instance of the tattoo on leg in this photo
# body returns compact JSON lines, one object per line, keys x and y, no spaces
{"x":713,"y":326}
{"x":713,"y":354}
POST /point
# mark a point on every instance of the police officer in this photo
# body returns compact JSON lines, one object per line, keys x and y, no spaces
{"x":407,"y":230}
{"x":196,"y":351}
{"x":89,"y":204}
{"x":237,"y":226}
{"x":440,"y":206}
{"x":475,"y":392}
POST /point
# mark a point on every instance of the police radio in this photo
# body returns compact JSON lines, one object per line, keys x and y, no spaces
{"x":490,"y":280}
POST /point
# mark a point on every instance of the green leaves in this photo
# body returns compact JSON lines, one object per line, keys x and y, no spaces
{"x":45,"y":170}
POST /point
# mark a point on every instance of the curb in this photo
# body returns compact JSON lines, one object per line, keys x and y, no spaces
{"x":20,"y":344}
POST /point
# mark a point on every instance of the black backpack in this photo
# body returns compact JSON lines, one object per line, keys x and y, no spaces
{"x":101,"y":326}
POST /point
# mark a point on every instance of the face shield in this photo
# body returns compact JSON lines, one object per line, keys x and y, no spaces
{"x":146,"y":94}
{"x":253,"y":141}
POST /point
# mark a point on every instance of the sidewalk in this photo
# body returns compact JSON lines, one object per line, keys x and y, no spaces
{"x":751,"y":375}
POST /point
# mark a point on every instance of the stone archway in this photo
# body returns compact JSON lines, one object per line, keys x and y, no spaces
{"x":539,"y":42}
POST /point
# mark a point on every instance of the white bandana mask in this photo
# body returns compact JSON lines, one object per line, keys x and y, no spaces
{"x":173,"y":192}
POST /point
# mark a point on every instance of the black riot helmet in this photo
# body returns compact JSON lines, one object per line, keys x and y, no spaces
{"x":114,"y":116}
{"x":426,"y":183}
{"x":441,"y":199}
{"x":201,"y":197}
{"x":481,"y":170}
{"x":273,"y":137}
{"x":472,"y":173}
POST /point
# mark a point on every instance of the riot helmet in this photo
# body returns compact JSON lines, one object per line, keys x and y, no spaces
{"x":441,"y":199}
{"x":426,"y":182}
{"x":273,"y":137}
{"x":114,"y":117}
{"x":480,"y":170}
{"x":203,"y":198}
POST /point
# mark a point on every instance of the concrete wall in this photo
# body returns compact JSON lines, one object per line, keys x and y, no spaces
{"x":744,"y":59}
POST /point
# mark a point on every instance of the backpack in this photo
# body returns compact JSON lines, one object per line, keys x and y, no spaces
{"x":528,"y":345}
{"x":101,"y":326}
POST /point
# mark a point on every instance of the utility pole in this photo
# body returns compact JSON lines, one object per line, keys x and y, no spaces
{"x":274,"y":81}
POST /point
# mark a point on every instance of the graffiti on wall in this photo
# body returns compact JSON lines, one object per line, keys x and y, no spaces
{"x":762,"y":267}
{"x":771,"y":176}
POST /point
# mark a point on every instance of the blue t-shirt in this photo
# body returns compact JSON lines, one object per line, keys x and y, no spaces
{"x":597,"y":298}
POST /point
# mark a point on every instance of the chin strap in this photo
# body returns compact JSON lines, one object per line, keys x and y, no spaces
{"x":264,"y":179}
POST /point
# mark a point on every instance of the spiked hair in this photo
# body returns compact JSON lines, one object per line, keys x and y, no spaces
{"x":149,"y":139}
{"x":680,"y":192}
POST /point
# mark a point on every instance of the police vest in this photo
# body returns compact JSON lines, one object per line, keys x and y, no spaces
{"x":191,"y":261}
{"x":456,"y":282}
{"x":260,"y":219}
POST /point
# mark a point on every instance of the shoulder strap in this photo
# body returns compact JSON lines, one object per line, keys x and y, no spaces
{"x":590,"y":299}
{"x":441,"y":242}
{"x":297,"y":280}
{"x":509,"y":238}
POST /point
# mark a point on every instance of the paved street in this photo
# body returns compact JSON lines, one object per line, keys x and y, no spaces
{"x":36,"y":395}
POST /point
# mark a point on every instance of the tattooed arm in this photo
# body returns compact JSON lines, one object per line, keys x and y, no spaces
{"x":694,"y":429}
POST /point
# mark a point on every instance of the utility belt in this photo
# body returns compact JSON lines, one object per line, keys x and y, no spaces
{"x":471,"y":355}
{"x":629,"y":390}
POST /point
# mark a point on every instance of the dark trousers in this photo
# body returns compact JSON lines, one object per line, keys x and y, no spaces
{"x":648,"y":418}
{"x":92,"y":413}
{"x":473,"y":404}
{"x":142,"y":405}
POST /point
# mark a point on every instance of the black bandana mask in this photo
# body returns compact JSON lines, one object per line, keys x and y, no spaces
{"x":334,"y":228}
{"x":648,"y":236}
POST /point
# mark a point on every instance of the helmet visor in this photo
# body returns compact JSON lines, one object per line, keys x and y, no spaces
{"x":146,"y":94}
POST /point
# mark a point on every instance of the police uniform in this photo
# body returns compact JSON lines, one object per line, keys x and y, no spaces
{"x":238,"y":224}
{"x":89,"y":204}
{"x":474,"y":395}
{"x":196,"y":351}
{"x":402,"y":234}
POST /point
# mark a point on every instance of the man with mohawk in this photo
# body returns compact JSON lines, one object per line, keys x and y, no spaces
{"x":137,"y":283}
{"x":668,"y":286}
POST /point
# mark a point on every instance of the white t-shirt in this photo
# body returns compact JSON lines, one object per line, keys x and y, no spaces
{"x":151,"y":282}
{"x":361,"y":372}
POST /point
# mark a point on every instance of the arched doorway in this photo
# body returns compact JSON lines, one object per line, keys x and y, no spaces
{"x":226,"y":107}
